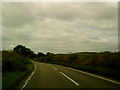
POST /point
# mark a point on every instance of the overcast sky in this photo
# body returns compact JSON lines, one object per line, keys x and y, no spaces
{"x":60,"y":27}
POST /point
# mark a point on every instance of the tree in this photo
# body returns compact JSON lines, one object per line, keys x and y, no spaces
{"x":49,"y":56}
{"x":22,"y":50}
{"x":72,"y":58}
{"x":40,"y":54}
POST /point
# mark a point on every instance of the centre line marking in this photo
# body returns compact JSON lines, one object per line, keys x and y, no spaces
{"x":69,"y":78}
{"x":54,"y":68}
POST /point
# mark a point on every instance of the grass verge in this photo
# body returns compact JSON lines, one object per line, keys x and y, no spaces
{"x":12,"y":79}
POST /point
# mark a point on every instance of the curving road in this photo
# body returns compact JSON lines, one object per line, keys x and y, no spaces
{"x":56,"y":76}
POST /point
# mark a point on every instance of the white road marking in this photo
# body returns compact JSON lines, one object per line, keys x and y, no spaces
{"x":95,"y":76}
{"x":69,"y":78}
{"x":54,"y":68}
{"x":28,"y":78}
{"x":24,"y":85}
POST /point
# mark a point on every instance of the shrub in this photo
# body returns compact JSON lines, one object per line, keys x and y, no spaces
{"x":11,"y":61}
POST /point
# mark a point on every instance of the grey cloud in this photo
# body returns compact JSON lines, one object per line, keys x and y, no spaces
{"x":60,"y":27}
{"x":82,"y":10}
{"x":16,"y":14}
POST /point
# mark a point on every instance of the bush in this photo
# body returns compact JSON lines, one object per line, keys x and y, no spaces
{"x":11,"y":61}
{"x":15,"y":67}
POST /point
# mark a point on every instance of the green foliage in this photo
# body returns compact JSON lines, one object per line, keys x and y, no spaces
{"x":104,"y":59}
{"x":49,"y":56}
{"x":40,"y":54}
{"x":11,"y":61}
{"x":22,"y":50}
{"x":85,"y":55}
{"x":14,"y":67}
{"x":72,"y":57}
{"x":10,"y":78}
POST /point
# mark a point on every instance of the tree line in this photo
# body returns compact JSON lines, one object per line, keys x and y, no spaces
{"x":22,"y":50}
{"x":106,"y":58}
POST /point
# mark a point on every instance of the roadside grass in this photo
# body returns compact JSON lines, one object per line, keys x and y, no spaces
{"x":12,"y":79}
{"x":14,"y":68}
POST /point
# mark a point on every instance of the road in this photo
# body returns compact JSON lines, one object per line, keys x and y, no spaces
{"x":56,"y":76}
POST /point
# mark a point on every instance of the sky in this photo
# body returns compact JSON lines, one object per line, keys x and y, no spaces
{"x":60,"y":27}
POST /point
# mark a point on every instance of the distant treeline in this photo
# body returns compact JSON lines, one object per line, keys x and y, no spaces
{"x":106,"y":59}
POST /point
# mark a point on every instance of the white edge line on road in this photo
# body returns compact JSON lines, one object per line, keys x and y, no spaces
{"x":28,"y":78}
{"x":95,"y":76}
{"x":69,"y":78}
{"x":54,"y":68}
